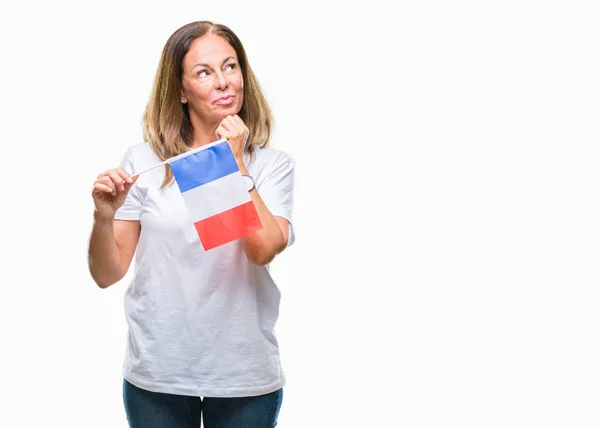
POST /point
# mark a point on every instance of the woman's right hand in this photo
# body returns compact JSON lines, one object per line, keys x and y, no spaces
{"x":110,"y":190}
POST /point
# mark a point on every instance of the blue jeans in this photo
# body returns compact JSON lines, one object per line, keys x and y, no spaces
{"x":146,"y":409}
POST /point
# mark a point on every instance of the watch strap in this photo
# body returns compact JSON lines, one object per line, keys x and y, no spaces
{"x":251,"y":179}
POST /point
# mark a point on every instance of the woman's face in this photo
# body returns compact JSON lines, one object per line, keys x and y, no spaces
{"x":212,"y":80}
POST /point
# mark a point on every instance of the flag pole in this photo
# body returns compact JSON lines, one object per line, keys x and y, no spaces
{"x":182,"y":155}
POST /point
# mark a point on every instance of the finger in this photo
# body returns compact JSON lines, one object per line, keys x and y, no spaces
{"x":245,"y":130}
{"x":103,"y":174}
{"x":100,"y":188}
{"x":124,"y":175}
{"x":221,"y":132}
{"x":226,"y":123}
{"x":108,"y":183}
{"x":246,"y":133}
{"x":116,"y":178}
{"x":129,"y":182}
{"x":120,"y":171}
{"x":240,"y":123}
{"x":237,"y":125}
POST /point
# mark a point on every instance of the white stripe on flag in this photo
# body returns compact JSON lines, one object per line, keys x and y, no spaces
{"x":217,"y":196}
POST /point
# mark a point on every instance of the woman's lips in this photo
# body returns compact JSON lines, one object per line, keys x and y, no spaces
{"x":225,"y":100}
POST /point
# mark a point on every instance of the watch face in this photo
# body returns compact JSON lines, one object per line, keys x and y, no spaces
{"x":248,"y":181}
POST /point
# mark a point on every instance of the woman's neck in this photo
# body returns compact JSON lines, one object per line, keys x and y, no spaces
{"x":203,"y":133}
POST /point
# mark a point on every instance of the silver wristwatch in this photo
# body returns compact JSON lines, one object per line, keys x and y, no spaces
{"x":248,"y":181}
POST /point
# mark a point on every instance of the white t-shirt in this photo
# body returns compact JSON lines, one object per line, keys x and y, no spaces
{"x":200,"y":322}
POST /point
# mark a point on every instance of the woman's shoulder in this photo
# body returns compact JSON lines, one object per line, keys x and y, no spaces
{"x":269,"y":156}
{"x":141,"y":149}
{"x":141,"y":155}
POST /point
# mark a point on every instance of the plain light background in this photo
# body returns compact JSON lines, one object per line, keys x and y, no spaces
{"x":445,"y":272}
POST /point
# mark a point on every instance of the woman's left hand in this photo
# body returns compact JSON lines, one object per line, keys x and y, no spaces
{"x":236,"y":132}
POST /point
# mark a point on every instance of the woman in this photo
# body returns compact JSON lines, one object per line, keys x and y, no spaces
{"x":201,"y":339}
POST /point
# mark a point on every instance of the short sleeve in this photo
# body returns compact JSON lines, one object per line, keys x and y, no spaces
{"x":132,"y":208}
{"x":277,"y":191}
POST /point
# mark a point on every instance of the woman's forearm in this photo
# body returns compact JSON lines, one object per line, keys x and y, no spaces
{"x":262,"y":246}
{"x":104,"y":258}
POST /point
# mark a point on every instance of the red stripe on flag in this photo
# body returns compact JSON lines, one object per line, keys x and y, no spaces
{"x":228,"y":226}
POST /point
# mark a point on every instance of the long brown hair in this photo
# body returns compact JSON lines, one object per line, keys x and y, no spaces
{"x":167,"y":126}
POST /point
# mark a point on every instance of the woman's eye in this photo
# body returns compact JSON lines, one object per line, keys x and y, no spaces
{"x":230,"y":67}
{"x":203,"y":73}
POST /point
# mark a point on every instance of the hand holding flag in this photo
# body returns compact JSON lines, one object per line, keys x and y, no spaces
{"x":210,"y":183}
{"x":110,"y":191}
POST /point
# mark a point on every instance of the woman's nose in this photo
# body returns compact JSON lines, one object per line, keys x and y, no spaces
{"x":221,"y":82}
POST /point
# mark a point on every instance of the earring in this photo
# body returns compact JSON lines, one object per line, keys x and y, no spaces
{"x":183,"y":101}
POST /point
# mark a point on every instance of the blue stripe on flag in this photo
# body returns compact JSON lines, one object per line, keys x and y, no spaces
{"x":204,"y":166}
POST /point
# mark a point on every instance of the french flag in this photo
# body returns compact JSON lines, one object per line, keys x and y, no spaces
{"x":213,"y":190}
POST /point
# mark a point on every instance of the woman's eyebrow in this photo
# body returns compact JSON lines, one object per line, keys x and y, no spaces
{"x":208,"y":66}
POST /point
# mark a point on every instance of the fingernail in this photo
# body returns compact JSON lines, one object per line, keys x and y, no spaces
{"x":129,"y":180}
